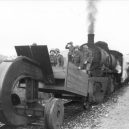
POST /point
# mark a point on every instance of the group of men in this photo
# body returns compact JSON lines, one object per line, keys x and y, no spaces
{"x":56,"y":58}
{"x":81,"y":56}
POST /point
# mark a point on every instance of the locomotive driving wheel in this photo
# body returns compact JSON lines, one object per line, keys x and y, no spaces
{"x":98,"y":92}
{"x":54,"y":113}
{"x":111,"y":86}
{"x":86,"y":103}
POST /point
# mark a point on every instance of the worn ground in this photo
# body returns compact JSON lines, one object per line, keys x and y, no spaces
{"x":112,"y":114}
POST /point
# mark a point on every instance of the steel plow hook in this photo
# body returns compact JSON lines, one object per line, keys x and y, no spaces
{"x":10,"y":73}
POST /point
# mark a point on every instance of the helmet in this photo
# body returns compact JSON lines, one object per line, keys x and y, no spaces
{"x":52,"y":50}
{"x":34,"y":44}
{"x":57,"y":50}
{"x":85,"y":46}
{"x":70,"y":43}
{"x":77,"y":46}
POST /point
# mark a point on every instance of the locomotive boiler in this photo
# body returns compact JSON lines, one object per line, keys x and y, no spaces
{"x":31,"y":73}
{"x":104,"y":59}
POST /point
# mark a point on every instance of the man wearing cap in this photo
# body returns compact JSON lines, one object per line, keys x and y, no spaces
{"x":34,"y":44}
{"x":86,"y":58}
{"x":76,"y":56}
{"x":71,"y":50}
{"x":52,"y":56}
{"x":60,"y":58}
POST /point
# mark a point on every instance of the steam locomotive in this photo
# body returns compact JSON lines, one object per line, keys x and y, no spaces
{"x":31,"y":73}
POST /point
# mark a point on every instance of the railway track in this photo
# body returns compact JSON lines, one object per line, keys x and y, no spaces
{"x":72,"y":111}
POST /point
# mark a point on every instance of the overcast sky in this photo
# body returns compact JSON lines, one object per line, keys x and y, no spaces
{"x":56,"y":22}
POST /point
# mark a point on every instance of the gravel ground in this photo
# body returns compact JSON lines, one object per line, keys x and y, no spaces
{"x":112,"y":114}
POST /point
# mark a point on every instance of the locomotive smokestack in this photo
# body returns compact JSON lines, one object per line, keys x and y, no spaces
{"x":91,"y":38}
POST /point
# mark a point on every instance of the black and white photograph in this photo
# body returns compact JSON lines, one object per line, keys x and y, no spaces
{"x":64,"y":64}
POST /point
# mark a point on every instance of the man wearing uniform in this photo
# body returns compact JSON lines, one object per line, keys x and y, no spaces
{"x":71,"y":50}
{"x":60,"y":58}
{"x":76,"y":56}
{"x":86,"y":58}
{"x":52,"y":56}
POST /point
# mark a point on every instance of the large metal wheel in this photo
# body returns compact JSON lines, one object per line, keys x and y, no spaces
{"x":10,"y":73}
{"x":110,"y":87}
{"x":86,"y":103}
{"x":98,"y":92}
{"x":54,"y":113}
{"x":86,"y":106}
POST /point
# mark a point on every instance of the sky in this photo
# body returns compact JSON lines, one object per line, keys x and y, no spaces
{"x":56,"y":22}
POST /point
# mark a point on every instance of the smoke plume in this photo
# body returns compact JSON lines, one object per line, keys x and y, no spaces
{"x":92,"y":11}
